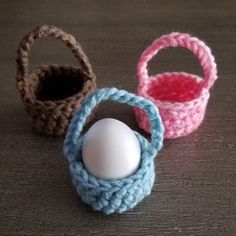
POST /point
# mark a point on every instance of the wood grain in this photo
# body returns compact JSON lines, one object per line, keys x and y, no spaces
{"x":194,"y":192}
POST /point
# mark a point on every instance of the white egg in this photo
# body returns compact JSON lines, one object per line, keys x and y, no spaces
{"x":111,"y":150}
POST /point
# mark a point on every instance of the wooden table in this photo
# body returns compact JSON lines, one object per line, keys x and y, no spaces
{"x":194,"y":191}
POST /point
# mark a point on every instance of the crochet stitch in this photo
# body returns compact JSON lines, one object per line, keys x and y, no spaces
{"x":53,"y":92}
{"x":181,"y":97}
{"x":118,"y":195}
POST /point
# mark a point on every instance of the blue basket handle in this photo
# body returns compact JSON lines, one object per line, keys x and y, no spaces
{"x":122,"y":96}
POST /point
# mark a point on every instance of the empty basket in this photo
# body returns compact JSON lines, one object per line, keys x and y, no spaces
{"x":181,"y":97}
{"x":53,"y":92}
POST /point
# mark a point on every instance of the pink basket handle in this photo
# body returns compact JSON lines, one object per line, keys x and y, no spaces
{"x":198,"y":47}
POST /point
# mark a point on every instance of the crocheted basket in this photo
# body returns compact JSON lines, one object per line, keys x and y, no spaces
{"x":181,"y":97}
{"x":113,"y":196}
{"x":53,"y":92}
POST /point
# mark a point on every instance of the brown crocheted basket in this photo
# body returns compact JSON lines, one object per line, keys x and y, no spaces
{"x":53,"y":92}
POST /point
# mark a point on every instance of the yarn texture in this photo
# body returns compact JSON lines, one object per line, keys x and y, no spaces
{"x":181,"y":97}
{"x":118,"y":195}
{"x":53,"y":92}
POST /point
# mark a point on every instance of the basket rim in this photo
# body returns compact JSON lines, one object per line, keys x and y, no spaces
{"x":43,"y":68}
{"x":111,"y":183}
{"x":204,"y":94}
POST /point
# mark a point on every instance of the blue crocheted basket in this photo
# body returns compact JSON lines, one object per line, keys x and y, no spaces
{"x":113,"y":196}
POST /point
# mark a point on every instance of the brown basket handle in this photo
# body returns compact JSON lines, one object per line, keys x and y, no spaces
{"x":49,"y":31}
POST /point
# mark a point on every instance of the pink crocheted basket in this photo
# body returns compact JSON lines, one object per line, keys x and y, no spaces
{"x":181,"y":97}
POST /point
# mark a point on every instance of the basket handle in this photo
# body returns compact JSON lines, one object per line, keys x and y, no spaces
{"x":49,"y":31}
{"x":198,"y":47}
{"x":122,"y":96}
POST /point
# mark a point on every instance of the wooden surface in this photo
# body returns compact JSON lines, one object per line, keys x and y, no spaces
{"x":194,"y":192}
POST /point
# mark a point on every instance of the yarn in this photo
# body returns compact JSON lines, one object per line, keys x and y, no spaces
{"x":181,"y":97}
{"x":53,"y":92}
{"x":118,"y":195}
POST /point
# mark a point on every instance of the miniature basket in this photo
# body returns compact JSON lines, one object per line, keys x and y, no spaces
{"x":181,"y":97}
{"x":113,"y":196}
{"x":53,"y":92}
